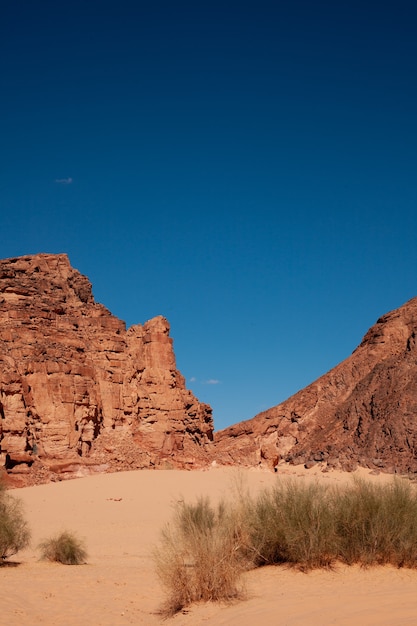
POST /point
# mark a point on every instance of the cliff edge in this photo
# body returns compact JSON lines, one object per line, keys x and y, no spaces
{"x":79,"y":392}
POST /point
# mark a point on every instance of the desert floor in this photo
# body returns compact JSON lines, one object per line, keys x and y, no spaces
{"x":120,"y":517}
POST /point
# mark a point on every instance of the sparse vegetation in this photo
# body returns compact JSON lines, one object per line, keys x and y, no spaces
{"x":65,"y":548}
{"x":292,"y":523}
{"x":14,"y":530}
{"x":205,"y":549}
{"x":377,"y":524}
{"x":201,"y":555}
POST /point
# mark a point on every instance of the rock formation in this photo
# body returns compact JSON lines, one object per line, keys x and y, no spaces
{"x":80,"y":393}
{"x":362,"y":412}
{"x":78,"y":390}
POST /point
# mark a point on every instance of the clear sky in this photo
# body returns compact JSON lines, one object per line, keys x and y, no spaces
{"x":246,"y":169}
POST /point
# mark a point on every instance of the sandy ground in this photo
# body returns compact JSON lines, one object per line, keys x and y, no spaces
{"x":120,"y":517}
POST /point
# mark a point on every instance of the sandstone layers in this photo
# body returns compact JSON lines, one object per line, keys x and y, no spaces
{"x":81,"y":393}
{"x":78,"y":390}
{"x":364,"y":411}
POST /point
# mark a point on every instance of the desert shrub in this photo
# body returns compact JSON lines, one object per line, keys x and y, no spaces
{"x":199,"y":556}
{"x":377,"y":524}
{"x":292,"y":523}
{"x":65,"y":548}
{"x":204,"y":551}
{"x":14,"y":530}
{"x":313,"y":525}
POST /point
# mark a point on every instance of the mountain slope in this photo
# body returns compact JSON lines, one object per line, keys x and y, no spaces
{"x":363,"y":411}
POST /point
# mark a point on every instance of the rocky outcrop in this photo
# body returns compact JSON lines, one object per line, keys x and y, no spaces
{"x":78,"y":390}
{"x":362,"y":412}
{"x":81,"y":393}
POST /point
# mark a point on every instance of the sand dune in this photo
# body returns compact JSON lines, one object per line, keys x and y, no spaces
{"x":120,"y":517}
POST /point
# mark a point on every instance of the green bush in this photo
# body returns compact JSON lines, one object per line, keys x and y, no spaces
{"x":377,"y":524}
{"x":14,"y":530}
{"x":292,"y":523}
{"x":313,"y":525}
{"x":65,"y":548}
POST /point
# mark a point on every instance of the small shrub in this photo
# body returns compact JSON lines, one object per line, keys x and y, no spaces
{"x":200,"y":556}
{"x":292,"y":523}
{"x":377,"y":524}
{"x":65,"y":548}
{"x":14,"y":530}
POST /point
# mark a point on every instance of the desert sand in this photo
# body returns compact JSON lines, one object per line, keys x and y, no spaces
{"x":120,"y":517}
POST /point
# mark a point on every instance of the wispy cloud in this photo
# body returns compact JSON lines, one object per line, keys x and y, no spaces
{"x":63,"y":181}
{"x":210,"y":381}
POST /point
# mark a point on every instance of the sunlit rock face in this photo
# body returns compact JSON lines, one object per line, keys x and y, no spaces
{"x":79,"y":392}
{"x":362,"y":412}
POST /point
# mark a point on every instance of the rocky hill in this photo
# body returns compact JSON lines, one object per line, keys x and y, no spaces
{"x":79,"y":392}
{"x":362,"y":412}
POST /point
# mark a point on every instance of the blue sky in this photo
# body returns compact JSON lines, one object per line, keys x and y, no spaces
{"x":247,"y":169}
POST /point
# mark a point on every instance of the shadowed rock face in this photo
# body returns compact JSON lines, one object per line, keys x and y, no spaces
{"x":362,"y":412}
{"x":78,"y":390}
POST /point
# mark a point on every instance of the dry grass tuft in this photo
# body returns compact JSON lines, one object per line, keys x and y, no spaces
{"x":65,"y":548}
{"x":377,"y":524}
{"x":294,"y":524}
{"x":200,"y":556}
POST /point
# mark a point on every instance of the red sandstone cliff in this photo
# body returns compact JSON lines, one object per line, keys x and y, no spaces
{"x":364,"y":411}
{"x":79,"y":392}
{"x":77,"y":389}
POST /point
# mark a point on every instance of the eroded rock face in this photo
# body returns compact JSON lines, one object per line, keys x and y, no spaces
{"x":363,"y":412}
{"x":78,"y":390}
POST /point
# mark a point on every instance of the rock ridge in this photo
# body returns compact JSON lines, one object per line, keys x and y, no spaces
{"x":362,"y":412}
